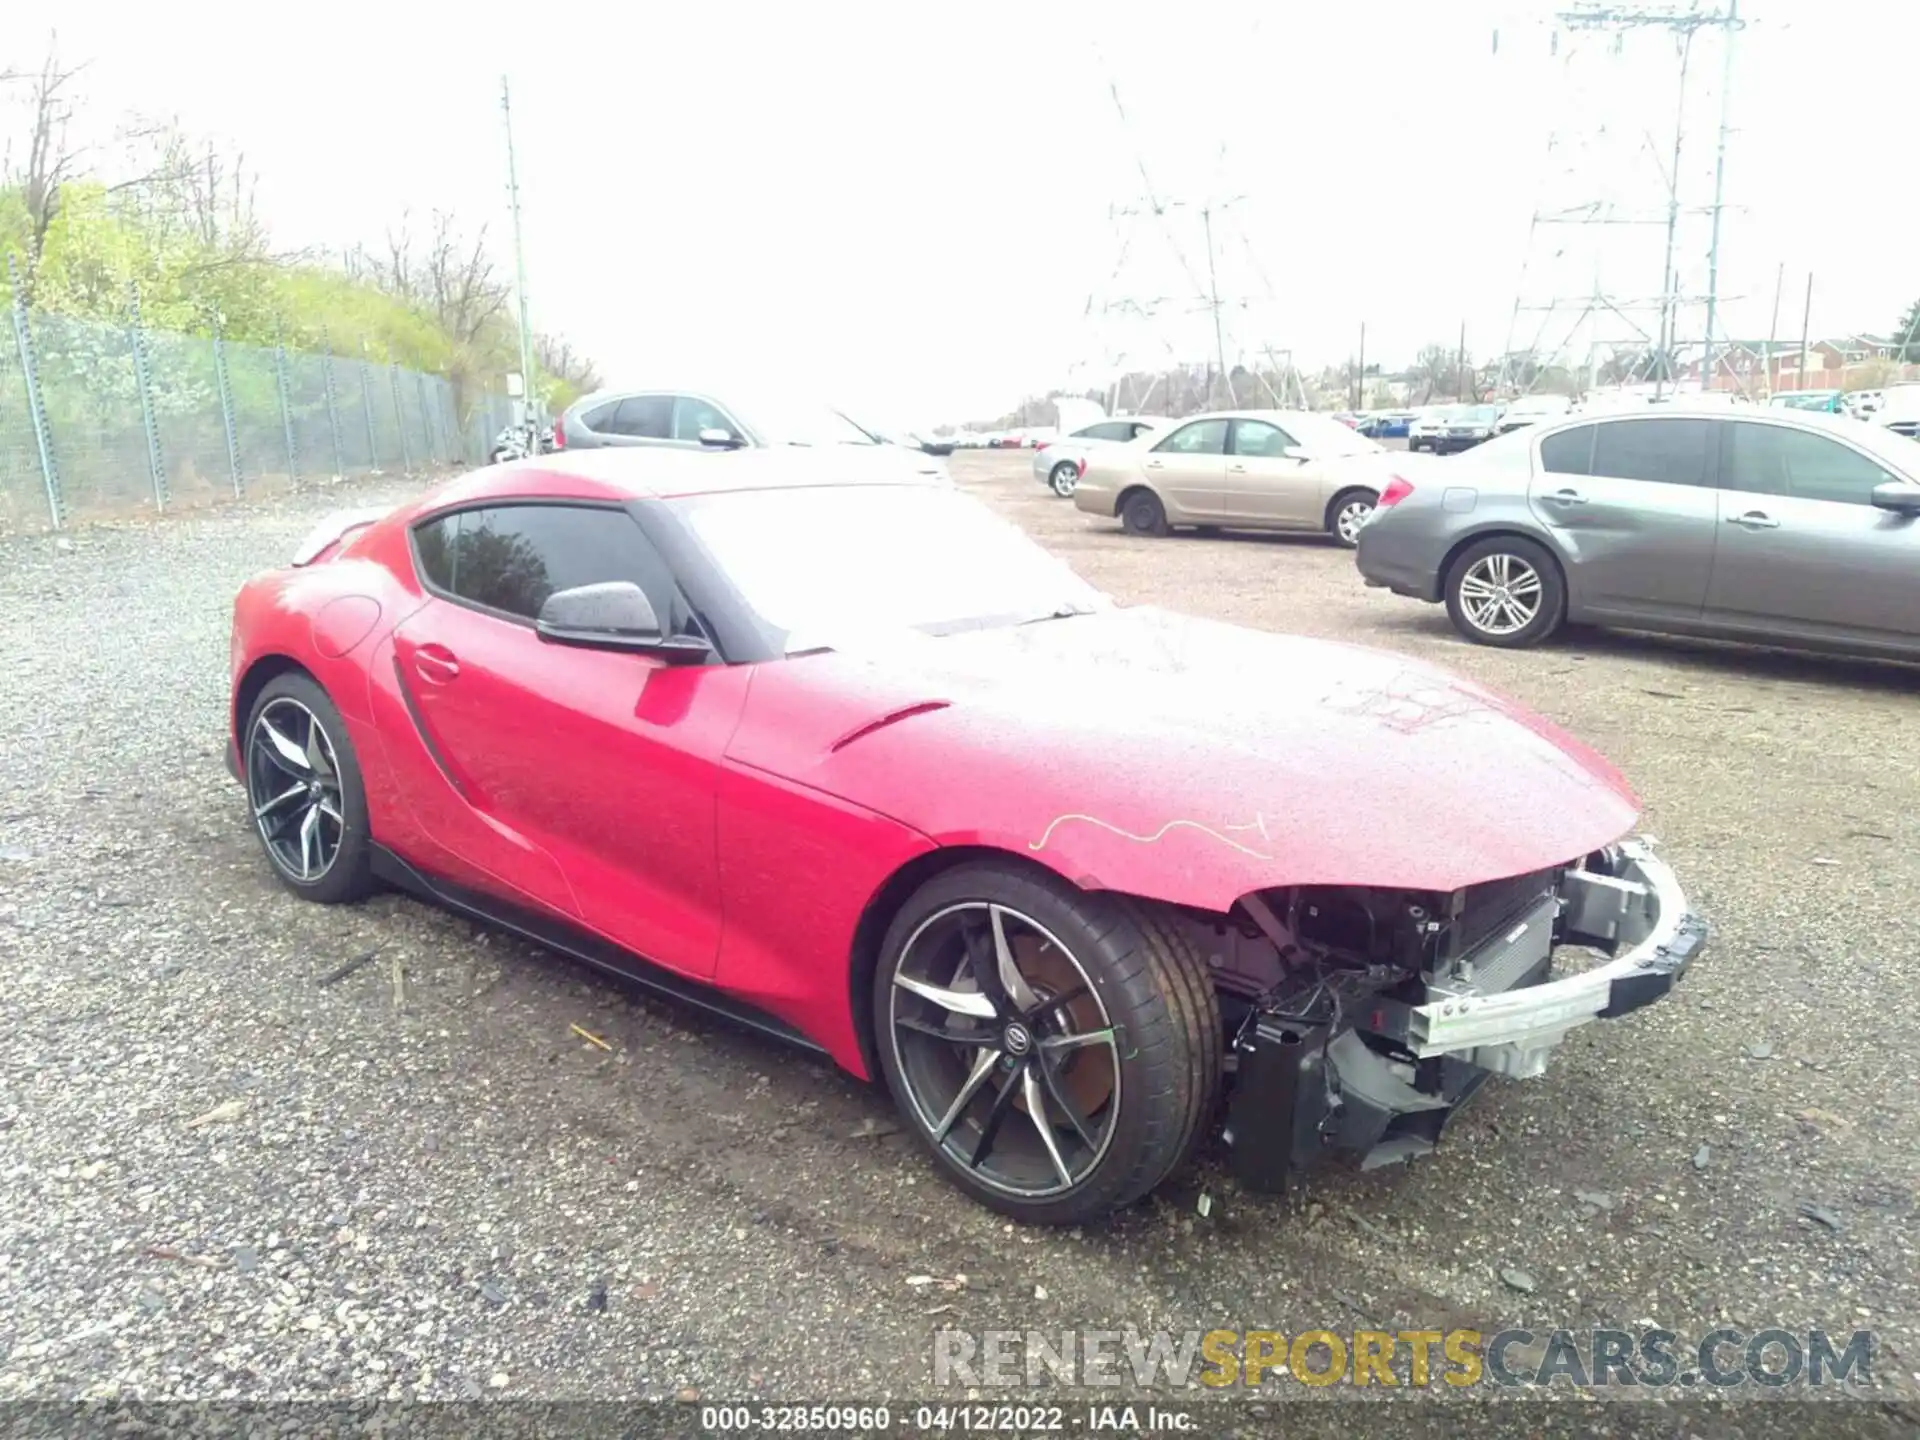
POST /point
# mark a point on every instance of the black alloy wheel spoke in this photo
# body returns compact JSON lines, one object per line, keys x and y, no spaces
{"x":977,"y":936}
{"x":1002,"y":1103}
{"x":973,"y":1038}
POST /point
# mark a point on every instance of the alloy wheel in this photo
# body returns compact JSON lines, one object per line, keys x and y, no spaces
{"x":1008,"y":1058}
{"x":1065,"y":478}
{"x":293,"y":784}
{"x":1501,"y":594}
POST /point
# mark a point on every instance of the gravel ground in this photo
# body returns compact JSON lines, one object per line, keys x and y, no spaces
{"x":229,"y":1170}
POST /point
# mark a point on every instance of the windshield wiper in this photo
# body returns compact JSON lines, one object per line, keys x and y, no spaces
{"x":1058,"y":612}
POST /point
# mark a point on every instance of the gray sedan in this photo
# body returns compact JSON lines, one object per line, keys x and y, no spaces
{"x":1777,"y":527}
{"x":695,"y":419}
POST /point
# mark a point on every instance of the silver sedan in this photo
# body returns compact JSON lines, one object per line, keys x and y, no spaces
{"x":1774,"y":526}
{"x":1059,"y":464}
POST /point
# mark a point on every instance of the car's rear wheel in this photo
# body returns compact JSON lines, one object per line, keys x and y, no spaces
{"x":1506,"y":591}
{"x":304,"y":790}
{"x":1141,"y":513}
{"x":1347,"y":513}
{"x":1056,"y":1051}
{"x":1063,"y":478}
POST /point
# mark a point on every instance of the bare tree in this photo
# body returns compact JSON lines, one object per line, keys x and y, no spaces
{"x":51,"y":162}
{"x":1434,"y":368}
{"x":450,"y":276}
{"x":556,"y":355}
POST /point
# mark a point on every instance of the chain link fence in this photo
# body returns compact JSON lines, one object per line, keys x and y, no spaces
{"x":99,"y":420}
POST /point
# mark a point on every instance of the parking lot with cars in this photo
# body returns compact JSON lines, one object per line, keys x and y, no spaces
{"x":253,"y":1147}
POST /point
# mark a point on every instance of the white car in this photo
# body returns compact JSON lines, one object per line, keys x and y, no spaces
{"x":1426,"y":426}
{"x":1059,"y":464}
{"x":1899,"y":409}
{"x":1532,"y":410}
{"x":1862,"y":404}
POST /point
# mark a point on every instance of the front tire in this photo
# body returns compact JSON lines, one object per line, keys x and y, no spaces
{"x":1141,"y":513}
{"x":1003,"y":995}
{"x":1063,"y":478}
{"x":1506,"y":591}
{"x":304,"y":790}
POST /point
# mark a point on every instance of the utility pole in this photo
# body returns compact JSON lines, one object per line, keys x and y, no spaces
{"x":1360,"y":372}
{"x":519,"y":262}
{"x":1213,"y":291}
{"x":1773,"y":327}
{"x":1460,"y":371}
{"x":1806,"y":316}
{"x":1719,"y":188}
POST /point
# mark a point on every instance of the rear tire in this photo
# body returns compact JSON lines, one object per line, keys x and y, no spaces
{"x":1095,"y":1010}
{"x":304,"y":792}
{"x":1063,"y":478}
{"x":1348,"y":512}
{"x":1506,"y":591}
{"x":1141,"y":513}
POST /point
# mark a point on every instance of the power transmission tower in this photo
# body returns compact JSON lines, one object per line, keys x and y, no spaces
{"x":1159,"y":248}
{"x":1606,"y":268}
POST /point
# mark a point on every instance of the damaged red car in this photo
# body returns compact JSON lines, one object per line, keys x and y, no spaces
{"x":819,"y":742}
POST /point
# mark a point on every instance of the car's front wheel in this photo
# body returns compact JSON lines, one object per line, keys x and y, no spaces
{"x":1063,"y":478}
{"x":1056,"y":1051}
{"x":304,"y":791}
{"x":1506,"y":591}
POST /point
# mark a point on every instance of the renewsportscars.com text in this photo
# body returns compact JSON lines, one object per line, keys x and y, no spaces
{"x":1223,"y":1359}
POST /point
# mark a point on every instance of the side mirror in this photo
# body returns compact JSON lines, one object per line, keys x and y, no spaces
{"x":1296,"y":452}
{"x":720,"y":439}
{"x":1900,"y":496}
{"x":613,"y":615}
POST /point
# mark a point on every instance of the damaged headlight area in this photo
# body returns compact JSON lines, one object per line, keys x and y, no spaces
{"x":1363,"y":1018}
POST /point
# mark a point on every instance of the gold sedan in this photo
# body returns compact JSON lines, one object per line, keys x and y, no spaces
{"x":1240,"y":470}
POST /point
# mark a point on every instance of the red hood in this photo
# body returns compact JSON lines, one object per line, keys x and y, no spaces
{"x":1190,"y":760}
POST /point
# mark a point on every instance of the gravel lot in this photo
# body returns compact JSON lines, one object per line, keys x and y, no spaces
{"x":226,"y":1173}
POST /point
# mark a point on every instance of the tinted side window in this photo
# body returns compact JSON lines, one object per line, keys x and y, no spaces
{"x":510,"y":558}
{"x":1105,"y":430}
{"x":433,"y":545}
{"x":1672,"y":452}
{"x":1203,"y":437}
{"x":1257,"y":438}
{"x":1135,"y":430}
{"x":1570,"y":452}
{"x":600,"y":417}
{"x":1775,"y":460}
{"x":648,"y":416}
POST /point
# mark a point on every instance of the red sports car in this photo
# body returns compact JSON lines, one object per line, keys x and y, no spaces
{"x":819,"y":742}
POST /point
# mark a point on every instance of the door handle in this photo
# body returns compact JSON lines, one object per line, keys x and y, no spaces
{"x":435,"y":664}
{"x":1156,"y":464}
{"x":1236,"y":469}
{"x":1754,"y":520}
{"x":1566,"y":497}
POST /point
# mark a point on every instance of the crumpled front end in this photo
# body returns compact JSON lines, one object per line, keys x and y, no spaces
{"x":1364,"y":1018}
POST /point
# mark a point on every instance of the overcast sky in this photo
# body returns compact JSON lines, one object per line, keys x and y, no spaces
{"x":908,"y":208}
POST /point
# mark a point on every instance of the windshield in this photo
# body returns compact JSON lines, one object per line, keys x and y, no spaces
{"x":831,"y":565}
{"x":1476,"y":414}
{"x":787,"y":422}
